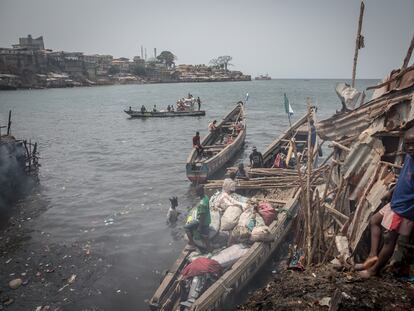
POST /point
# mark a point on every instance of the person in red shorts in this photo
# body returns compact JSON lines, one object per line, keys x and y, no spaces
{"x":397,"y":217}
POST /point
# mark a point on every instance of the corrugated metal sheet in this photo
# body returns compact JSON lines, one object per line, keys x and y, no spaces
{"x":397,"y":101}
{"x":352,"y":123}
{"x":362,"y":162}
{"x":367,"y":207}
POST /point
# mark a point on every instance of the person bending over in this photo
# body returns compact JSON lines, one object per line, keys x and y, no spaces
{"x":201,"y":223}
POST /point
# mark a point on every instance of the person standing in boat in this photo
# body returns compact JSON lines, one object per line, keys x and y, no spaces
{"x":199,"y":103}
{"x":196,"y":143}
{"x":201,"y":223}
{"x":256,"y":158}
{"x":154,"y":109}
{"x":143,"y":109}
{"x":169,"y":108}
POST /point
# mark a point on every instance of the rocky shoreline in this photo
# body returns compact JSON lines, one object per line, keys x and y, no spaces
{"x":62,"y":81}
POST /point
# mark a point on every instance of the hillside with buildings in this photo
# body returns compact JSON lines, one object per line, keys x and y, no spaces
{"x":29,"y":65}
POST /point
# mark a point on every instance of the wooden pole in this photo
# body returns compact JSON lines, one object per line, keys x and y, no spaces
{"x":407,"y":58}
{"x":308,"y":195}
{"x":9,"y":123}
{"x":358,"y":42}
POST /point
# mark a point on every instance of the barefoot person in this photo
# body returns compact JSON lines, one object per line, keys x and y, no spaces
{"x":201,"y":223}
{"x":397,"y":217}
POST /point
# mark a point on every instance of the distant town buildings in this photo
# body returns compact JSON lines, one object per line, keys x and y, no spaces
{"x":29,"y":65}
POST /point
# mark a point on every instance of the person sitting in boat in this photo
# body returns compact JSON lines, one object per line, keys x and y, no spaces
{"x":172,"y":108}
{"x":241,"y":172}
{"x":239,"y":126}
{"x":256,"y":158}
{"x":154,"y":109}
{"x":130,"y":108}
{"x":229,"y":139}
{"x":201,"y":223}
{"x":212,"y":127}
{"x":229,"y":184}
{"x":279,"y":160}
{"x":196,"y":143}
{"x":143,"y":109}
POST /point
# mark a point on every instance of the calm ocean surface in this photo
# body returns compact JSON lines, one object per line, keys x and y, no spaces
{"x":105,"y":179}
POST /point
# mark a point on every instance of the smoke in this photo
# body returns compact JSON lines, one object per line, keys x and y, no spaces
{"x":14,"y":182}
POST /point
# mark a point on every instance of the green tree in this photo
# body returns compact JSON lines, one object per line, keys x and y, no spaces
{"x":113,"y":70}
{"x":139,"y":70}
{"x":167,"y":58}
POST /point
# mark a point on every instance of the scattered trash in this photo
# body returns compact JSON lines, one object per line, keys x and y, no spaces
{"x":14,"y":284}
{"x":72,"y":278}
{"x":325,"y":301}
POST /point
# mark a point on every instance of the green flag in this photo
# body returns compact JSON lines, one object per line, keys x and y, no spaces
{"x":288,"y":108}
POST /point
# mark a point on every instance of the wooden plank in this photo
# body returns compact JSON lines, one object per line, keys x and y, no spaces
{"x":169,"y":278}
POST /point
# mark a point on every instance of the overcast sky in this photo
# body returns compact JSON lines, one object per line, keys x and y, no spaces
{"x":286,"y":39}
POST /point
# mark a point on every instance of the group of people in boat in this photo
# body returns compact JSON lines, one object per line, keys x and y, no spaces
{"x":184,"y":104}
{"x":225,"y":136}
{"x":188,"y":103}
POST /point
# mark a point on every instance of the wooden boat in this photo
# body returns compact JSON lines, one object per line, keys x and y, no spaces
{"x":263,"y":77}
{"x":216,"y":152}
{"x":169,"y":294}
{"x":170,"y":291}
{"x":299,"y":132}
{"x":164,"y":114}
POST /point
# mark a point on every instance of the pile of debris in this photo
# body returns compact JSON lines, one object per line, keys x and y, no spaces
{"x":324,"y":288}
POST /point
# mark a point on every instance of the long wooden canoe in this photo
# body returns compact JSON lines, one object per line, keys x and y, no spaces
{"x":216,"y":151}
{"x":164,"y":114}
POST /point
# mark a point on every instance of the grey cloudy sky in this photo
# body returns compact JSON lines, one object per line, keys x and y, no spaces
{"x":287,"y":39}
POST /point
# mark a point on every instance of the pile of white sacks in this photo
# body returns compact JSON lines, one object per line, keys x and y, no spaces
{"x":240,"y":218}
{"x":237,"y":227}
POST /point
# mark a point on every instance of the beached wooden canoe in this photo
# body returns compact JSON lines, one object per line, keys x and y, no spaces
{"x":168,"y":296}
{"x":218,"y":150}
{"x":164,"y":114}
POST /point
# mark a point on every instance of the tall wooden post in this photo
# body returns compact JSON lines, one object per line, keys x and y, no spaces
{"x":9,"y":123}
{"x":308,"y":192}
{"x":408,"y":55}
{"x":358,"y":42}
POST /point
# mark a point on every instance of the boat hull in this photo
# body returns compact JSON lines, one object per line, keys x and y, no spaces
{"x":164,"y":114}
{"x":201,"y":174}
{"x":200,"y":170}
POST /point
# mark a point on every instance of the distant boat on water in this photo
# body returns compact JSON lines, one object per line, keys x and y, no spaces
{"x":263,"y":77}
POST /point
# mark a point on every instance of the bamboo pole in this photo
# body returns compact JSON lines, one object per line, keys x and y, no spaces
{"x":358,"y":41}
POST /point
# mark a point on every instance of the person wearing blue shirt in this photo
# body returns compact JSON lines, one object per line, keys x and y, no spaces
{"x":397,"y":217}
